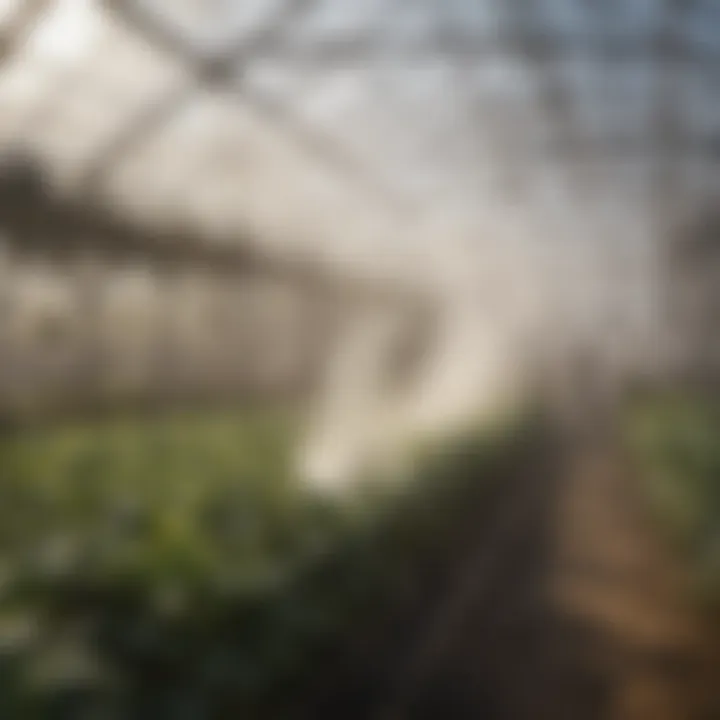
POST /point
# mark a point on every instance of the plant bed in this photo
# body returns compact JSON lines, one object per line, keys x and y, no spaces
{"x":675,"y":438}
{"x":173,"y":566}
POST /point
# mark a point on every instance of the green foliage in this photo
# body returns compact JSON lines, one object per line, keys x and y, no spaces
{"x":135,"y":541}
{"x":174,"y":568}
{"x":676,"y":437}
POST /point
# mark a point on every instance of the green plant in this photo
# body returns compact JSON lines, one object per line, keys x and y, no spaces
{"x":676,"y":438}
{"x":173,"y":567}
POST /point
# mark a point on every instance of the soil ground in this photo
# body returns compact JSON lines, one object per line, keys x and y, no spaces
{"x":566,"y":604}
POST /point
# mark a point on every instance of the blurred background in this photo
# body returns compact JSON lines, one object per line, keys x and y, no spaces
{"x":359,"y":359}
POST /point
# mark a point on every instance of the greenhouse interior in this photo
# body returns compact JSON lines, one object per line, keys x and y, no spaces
{"x":359,"y":360}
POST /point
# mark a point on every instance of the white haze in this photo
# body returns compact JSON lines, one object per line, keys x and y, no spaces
{"x":445,"y":179}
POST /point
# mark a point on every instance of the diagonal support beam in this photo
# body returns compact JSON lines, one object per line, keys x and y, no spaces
{"x":220,"y":68}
